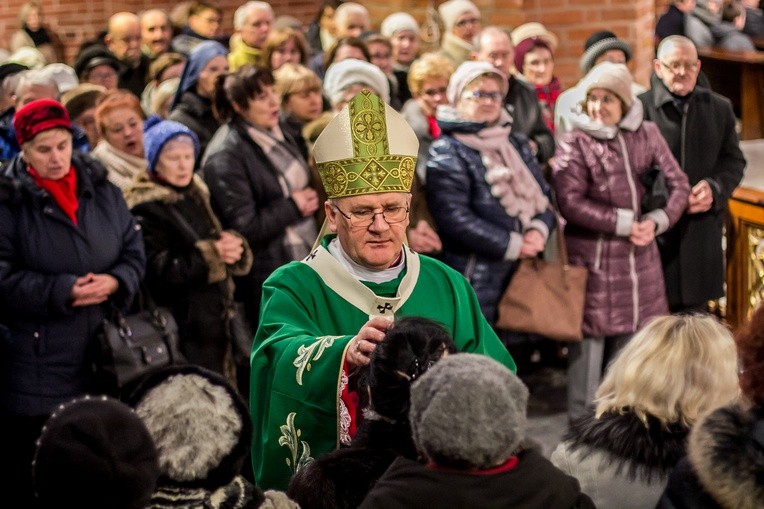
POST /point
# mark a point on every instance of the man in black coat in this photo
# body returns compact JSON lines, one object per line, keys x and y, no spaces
{"x":699,"y":126}
{"x":494,"y":46}
{"x":123,"y":39}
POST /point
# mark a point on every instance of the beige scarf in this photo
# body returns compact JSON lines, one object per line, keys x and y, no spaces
{"x":122,"y":167}
{"x":512,"y":183}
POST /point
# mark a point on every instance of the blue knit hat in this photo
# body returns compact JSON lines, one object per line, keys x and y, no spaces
{"x":157,"y":132}
{"x":197,"y":61}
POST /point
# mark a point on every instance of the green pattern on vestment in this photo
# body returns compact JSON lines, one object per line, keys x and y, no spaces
{"x":295,"y":407}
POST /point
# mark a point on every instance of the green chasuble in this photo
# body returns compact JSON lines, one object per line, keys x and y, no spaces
{"x":305,"y":327}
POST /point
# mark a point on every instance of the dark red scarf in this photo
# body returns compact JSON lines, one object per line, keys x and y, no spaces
{"x":64,"y":191}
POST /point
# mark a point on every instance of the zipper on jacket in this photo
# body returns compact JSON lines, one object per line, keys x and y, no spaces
{"x":632,"y":247}
{"x":598,"y":251}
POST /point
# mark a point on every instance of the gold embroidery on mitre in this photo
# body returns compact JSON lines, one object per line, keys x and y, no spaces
{"x":371,"y":169}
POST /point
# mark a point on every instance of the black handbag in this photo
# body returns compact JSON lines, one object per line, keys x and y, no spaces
{"x":656,"y":193}
{"x":133,"y":345}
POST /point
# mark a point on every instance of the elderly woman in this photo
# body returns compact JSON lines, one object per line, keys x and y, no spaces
{"x":299,"y":91}
{"x":68,"y":245}
{"x":534,"y":61}
{"x":190,"y":258}
{"x":486,"y":194}
{"x":192,"y":105}
{"x":462,"y":22}
{"x":258,"y":180}
{"x":165,"y":67}
{"x":119,"y":117}
{"x":597,"y":175}
{"x":403,"y":31}
{"x":672,"y":373}
{"x":97,"y":65}
{"x":468,"y":420}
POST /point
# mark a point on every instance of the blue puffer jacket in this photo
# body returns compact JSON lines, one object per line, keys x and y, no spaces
{"x":472,"y":224}
{"x":44,"y":341}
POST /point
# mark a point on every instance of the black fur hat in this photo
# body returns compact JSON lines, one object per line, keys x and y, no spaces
{"x":95,"y":452}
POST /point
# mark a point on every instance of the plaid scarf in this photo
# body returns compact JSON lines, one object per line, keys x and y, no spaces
{"x":294,"y":175}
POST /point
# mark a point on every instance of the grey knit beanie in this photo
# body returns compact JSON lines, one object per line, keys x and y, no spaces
{"x":468,"y":412}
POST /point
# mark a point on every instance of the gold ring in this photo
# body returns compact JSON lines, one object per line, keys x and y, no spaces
{"x":357,"y":345}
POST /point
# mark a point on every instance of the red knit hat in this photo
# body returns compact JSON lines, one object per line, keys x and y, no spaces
{"x":38,"y":116}
{"x":526,"y":46}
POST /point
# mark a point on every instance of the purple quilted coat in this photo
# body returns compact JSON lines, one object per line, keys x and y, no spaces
{"x":597,"y":181}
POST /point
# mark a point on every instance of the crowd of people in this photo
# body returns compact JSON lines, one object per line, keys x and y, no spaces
{"x":332,"y":215}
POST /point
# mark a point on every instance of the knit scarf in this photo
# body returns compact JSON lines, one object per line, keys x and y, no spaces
{"x":63,"y":191}
{"x":547,"y":96}
{"x":512,"y":183}
{"x":294,"y":175}
{"x":122,"y":167}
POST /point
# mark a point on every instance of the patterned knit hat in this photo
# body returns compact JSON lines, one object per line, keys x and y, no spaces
{"x":94,"y":452}
{"x":468,"y":412}
{"x":38,"y":116}
{"x":599,"y":43}
{"x":367,"y":148}
{"x":157,"y":132}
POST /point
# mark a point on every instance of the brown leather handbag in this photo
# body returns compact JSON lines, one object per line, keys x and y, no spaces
{"x":545,"y":298}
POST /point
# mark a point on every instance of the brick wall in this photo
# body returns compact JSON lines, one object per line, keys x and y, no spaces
{"x":572,"y":20}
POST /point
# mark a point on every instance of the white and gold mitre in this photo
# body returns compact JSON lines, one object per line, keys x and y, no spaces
{"x":367,"y":148}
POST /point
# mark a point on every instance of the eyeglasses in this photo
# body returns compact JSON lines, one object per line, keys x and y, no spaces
{"x":676,"y":67}
{"x":471,"y":21}
{"x":481,"y":95}
{"x":365,"y":218}
{"x":605,"y":99}
{"x":432,"y":92}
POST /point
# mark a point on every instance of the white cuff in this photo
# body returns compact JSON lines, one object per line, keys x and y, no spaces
{"x":541,"y":227}
{"x":623,"y":221}
{"x":661,"y":220}
{"x":514,"y":246}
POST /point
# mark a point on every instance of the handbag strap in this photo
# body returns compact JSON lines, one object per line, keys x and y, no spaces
{"x":562,"y":246}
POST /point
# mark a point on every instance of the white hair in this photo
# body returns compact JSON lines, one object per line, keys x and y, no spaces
{"x":36,"y":77}
{"x":243,"y":12}
{"x":347,"y":8}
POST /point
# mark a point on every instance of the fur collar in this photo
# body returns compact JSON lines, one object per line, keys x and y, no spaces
{"x":648,"y":453}
{"x":726,"y":450}
{"x":144,"y":189}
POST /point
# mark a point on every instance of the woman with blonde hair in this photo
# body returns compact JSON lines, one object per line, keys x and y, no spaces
{"x":34,"y":33}
{"x":673,"y":372}
{"x":299,"y":90}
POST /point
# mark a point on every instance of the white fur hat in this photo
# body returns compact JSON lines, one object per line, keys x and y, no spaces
{"x":452,"y":9}
{"x":341,"y":75}
{"x":397,"y":22}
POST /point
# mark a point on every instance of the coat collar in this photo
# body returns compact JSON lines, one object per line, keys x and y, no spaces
{"x":647,"y":452}
{"x":726,"y":451}
{"x":661,"y":95}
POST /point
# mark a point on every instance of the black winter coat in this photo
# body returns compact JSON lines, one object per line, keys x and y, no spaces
{"x":44,"y":341}
{"x":523,"y":104}
{"x":473,"y":225}
{"x":705,"y":145}
{"x":195,"y":112}
{"x":184,"y":270}
{"x":534,"y":483}
{"x":247,"y":197}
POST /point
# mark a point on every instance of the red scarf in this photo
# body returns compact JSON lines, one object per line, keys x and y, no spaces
{"x":64,"y":191}
{"x":547,"y":96}
{"x":434,"y":127}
